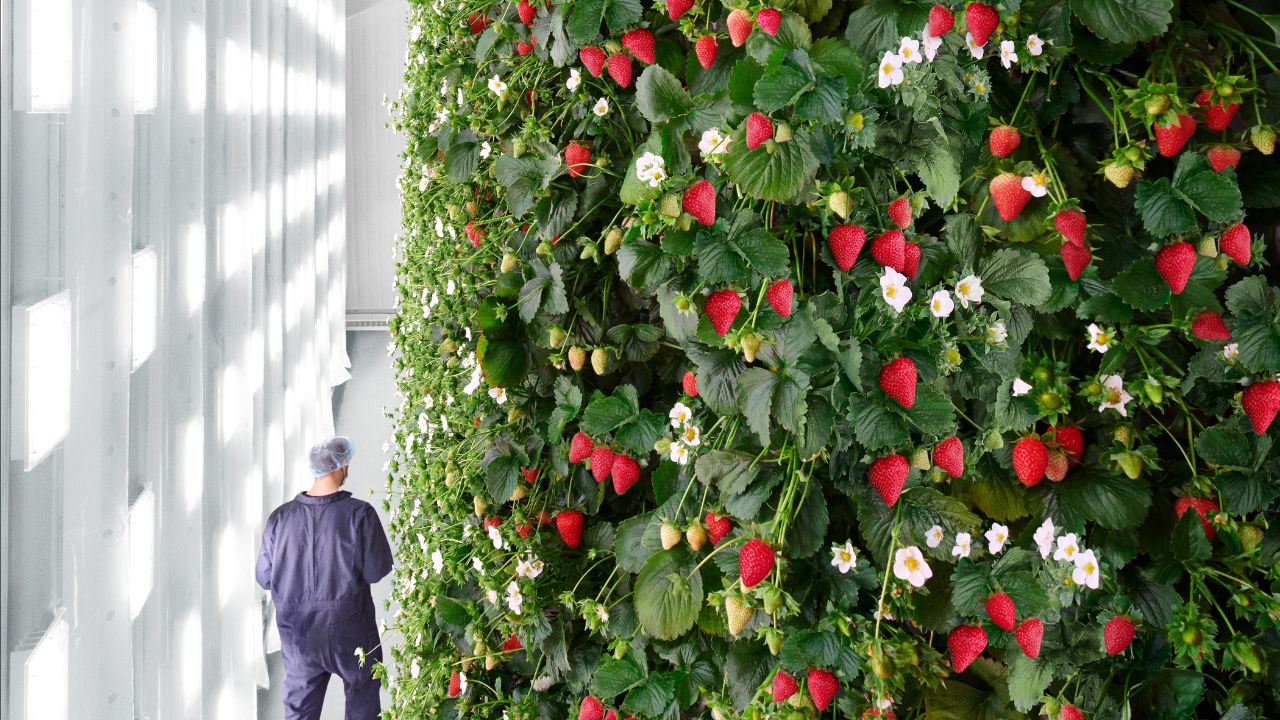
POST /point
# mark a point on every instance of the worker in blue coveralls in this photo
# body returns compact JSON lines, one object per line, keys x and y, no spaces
{"x":320,"y":552}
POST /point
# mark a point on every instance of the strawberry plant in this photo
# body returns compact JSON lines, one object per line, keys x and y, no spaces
{"x":878,"y":359}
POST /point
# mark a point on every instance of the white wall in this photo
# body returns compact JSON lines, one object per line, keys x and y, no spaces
{"x":376,"y":39}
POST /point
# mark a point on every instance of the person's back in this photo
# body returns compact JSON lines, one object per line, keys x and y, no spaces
{"x":320,"y":552}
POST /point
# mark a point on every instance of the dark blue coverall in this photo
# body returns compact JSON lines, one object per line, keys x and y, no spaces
{"x":319,"y":556}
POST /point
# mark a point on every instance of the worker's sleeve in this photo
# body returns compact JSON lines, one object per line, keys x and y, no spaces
{"x":377,"y":551}
{"x":263,"y":571}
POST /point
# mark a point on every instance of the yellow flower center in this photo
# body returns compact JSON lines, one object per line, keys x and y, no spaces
{"x":912,"y":564}
{"x":887,"y":69}
{"x":1088,"y":568}
{"x":844,"y":556}
{"x":891,"y":292}
{"x":963,"y":288}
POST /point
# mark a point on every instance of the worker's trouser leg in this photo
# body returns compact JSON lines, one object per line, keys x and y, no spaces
{"x":305,"y":683}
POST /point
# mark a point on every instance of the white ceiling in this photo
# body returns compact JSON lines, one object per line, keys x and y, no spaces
{"x":359,"y":6}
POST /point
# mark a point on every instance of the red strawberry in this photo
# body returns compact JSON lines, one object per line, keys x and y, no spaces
{"x":889,"y":249}
{"x":526,"y":11}
{"x":530,"y":474}
{"x":898,"y":381}
{"x":625,"y":474}
{"x":700,"y":202}
{"x":1029,"y":634}
{"x":900,"y":213}
{"x":524,"y":531}
{"x":524,"y":48}
{"x":1203,"y":508}
{"x":718,"y":527}
{"x":1069,"y":440}
{"x":887,"y":475}
{"x":455,"y":684}
{"x":940,"y":20}
{"x":592,"y":59}
{"x":569,"y":523}
{"x":845,"y":242}
{"x":706,"y":48}
{"x":949,"y":455}
{"x":981,"y":19}
{"x":640,"y":43}
{"x":590,"y":709}
{"x":602,"y":459}
{"x":910,"y":260}
{"x":759,"y":129}
{"x":580,"y":448}
{"x":755,"y":562}
{"x":1117,"y":635}
{"x":1208,"y":326}
{"x":474,"y":234}
{"x":1070,"y":712}
{"x":784,"y":686}
{"x":677,"y":8}
{"x":1174,"y":262}
{"x":1030,"y":460}
{"x":620,"y":69}
{"x":722,"y":307}
{"x":779,"y":296}
{"x":739,"y":24}
{"x":1008,"y":194}
{"x":1075,"y":258}
{"x":479,"y":21}
{"x":690,"y":384}
{"x":576,"y":158}
{"x":1261,"y":402}
{"x":1171,"y":138}
{"x":1222,"y":157}
{"x":966,"y":643}
{"x":512,"y":644}
{"x":1237,"y":243}
{"x":1001,"y":610}
{"x":543,"y":518}
{"x":769,"y":21}
{"x":610,"y":715}
{"x":1070,"y":223}
{"x":822,"y":686}
{"x":1003,"y":140}
{"x":1216,"y":117}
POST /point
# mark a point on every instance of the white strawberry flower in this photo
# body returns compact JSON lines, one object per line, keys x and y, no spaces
{"x":495,"y":537}
{"x":601,"y":108}
{"x":909,"y":565}
{"x":963,"y":541}
{"x":437,"y":561}
{"x":680,"y":415}
{"x":1020,"y":387}
{"x":515,"y":600}
{"x":690,"y":436}
{"x":1036,"y":183}
{"x":497,"y":87}
{"x":843,"y":557}
{"x":1230,"y":351}
{"x":712,"y":142}
{"x":485,"y":149}
{"x":491,"y":596}
{"x":1044,"y":537}
{"x":1115,"y":396}
{"x":996,"y":537}
{"x":1087,"y":571}
{"x":679,"y":453}
{"x":894,"y":290}
{"x":976,"y":50}
{"x":1035,"y":45}
{"x":909,"y":51}
{"x":462,"y":683}
{"x":651,"y":169}
{"x":498,"y":394}
{"x":931,"y":44}
{"x":415,"y":669}
{"x":1008,"y":55}
{"x":1099,"y":339}
{"x":933,"y":536}
{"x":890,"y":72}
{"x":575,"y":79}
{"x":541,"y":683}
{"x":969,"y":290}
{"x":941,"y":305}
{"x":535,"y":567}
{"x":1068,"y":548}
{"x":997,"y":333}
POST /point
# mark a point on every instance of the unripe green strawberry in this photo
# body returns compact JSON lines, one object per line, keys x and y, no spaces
{"x":600,"y":361}
{"x":992,"y":440}
{"x":514,"y":414}
{"x":1157,"y":104}
{"x":450,"y":475}
{"x":612,"y":241}
{"x":544,"y":249}
{"x":577,"y":358}
{"x":1208,"y":247}
{"x":772,"y":600}
{"x":670,"y":205}
{"x":1263,"y":138}
{"x":588,"y":252}
{"x":518,"y":147}
{"x":1131,"y":464}
{"x":774,"y":641}
{"x":737,"y":614}
{"x":455,"y":213}
{"x":920,"y":459}
{"x":555,"y":337}
{"x":696,"y":535}
{"x":1250,"y":536}
{"x":662,"y":445}
{"x":520,"y":493}
{"x":479,"y":504}
{"x":1123,"y":434}
{"x":670,"y":536}
{"x":508,"y":263}
{"x":1119,"y":175}
{"x":750,"y":346}
{"x":840,"y":203}
{"x":1153,"y":390}
{"x":783,"y":133}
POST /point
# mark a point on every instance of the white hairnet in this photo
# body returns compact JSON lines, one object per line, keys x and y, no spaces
{"x":330,"y":455}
